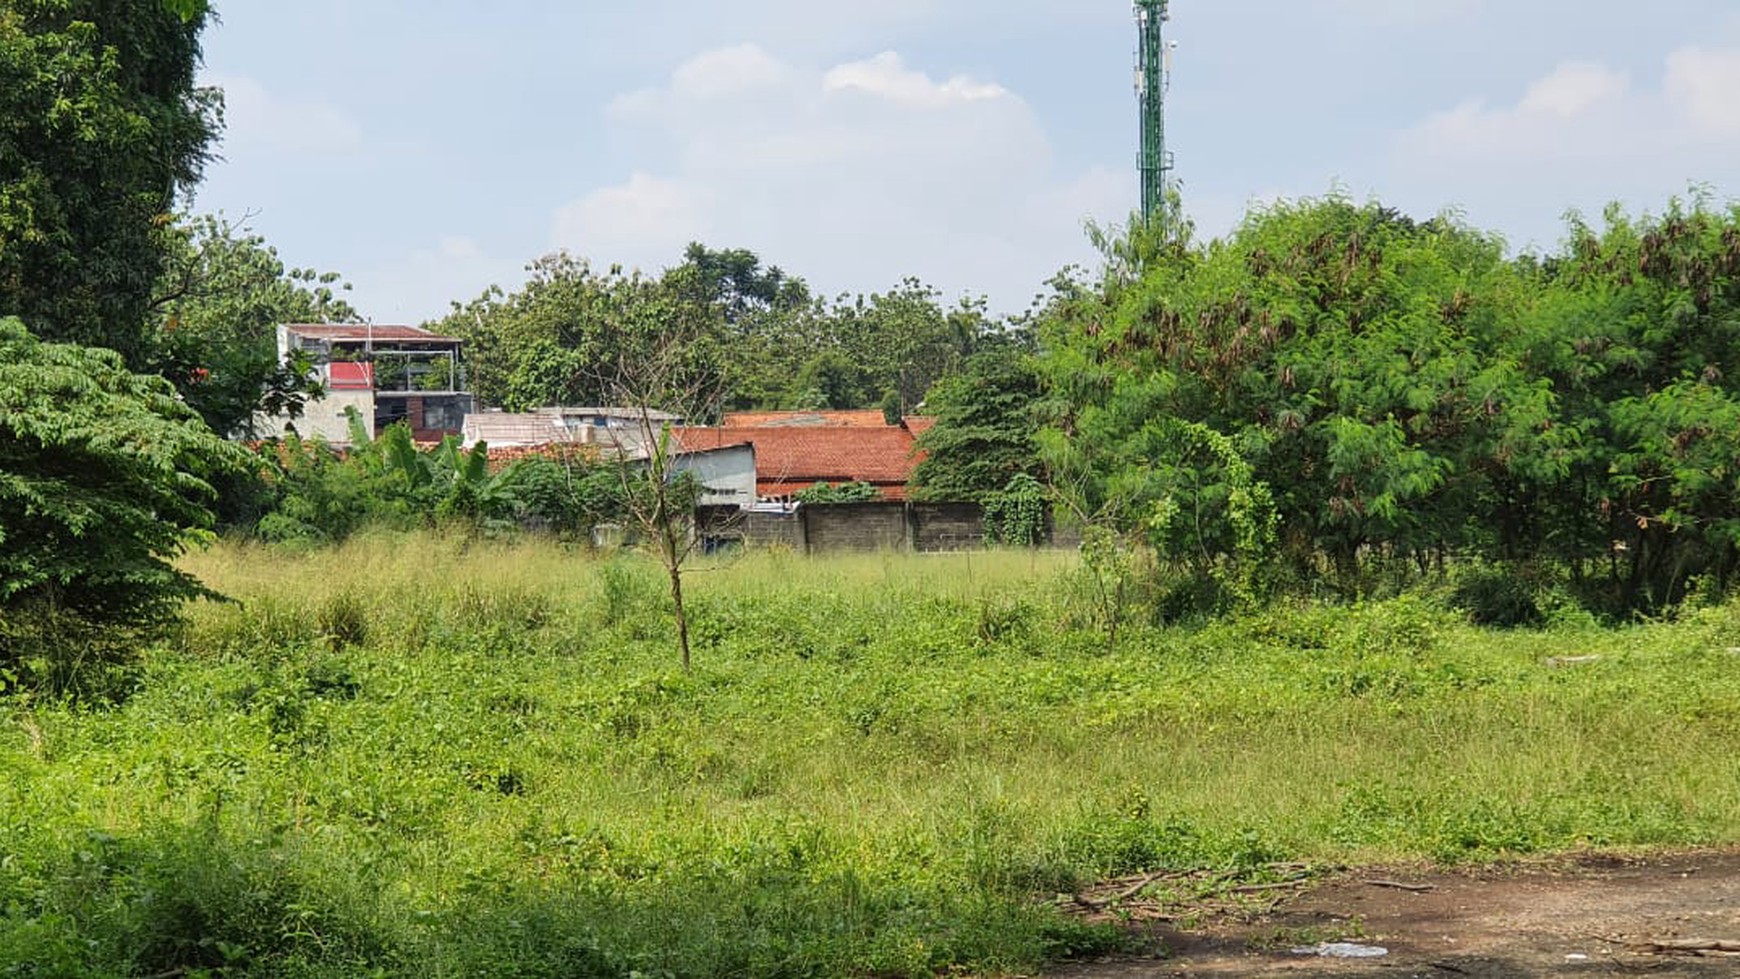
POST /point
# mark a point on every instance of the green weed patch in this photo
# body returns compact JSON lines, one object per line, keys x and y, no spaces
{"x":409,"y":756}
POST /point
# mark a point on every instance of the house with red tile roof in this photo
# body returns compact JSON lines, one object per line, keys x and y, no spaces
{"x":790,"y":459}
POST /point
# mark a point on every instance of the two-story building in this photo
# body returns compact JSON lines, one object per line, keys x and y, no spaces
{"x":387,"y":374}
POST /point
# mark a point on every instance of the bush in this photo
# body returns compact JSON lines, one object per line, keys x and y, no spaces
{"x":1496,"y":595}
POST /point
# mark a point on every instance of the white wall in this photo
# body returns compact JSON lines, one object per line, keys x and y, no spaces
{"x":728,"y":474}
{"x":325,"y":418}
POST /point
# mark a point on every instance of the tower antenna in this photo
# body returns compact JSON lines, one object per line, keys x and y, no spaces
{"x":1153,"y":74}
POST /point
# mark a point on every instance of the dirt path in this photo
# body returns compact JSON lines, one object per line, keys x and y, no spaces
{"x":1546,"y":920}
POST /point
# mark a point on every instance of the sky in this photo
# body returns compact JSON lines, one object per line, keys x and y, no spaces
{"x":426,"y":149}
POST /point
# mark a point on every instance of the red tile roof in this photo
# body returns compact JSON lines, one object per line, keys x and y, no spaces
{"x":788,"y":460}
{"x":360,"y":332}
{"x":872,"y":418}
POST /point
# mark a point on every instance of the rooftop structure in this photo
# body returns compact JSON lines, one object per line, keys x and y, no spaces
{"x":387,"y":374}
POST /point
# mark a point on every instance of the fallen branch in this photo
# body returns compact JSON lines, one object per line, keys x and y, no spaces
{"x":1399,"y":886}
{"x":1144,"y":883}
{"x":1676,"y":946}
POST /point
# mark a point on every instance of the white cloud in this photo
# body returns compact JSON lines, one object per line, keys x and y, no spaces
{"x":1572,"y":90}
{"x":886,"y":76}
{"x":854,"y":175}
{"x":727,"y":72}
{"x":1581,"y":136}
{"x":1705,"y":86}
{"x":644,"y":217}
{"x":1559,"y":114}
{"x":256,"y":119}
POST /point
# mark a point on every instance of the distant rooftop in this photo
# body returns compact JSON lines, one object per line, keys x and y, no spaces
{"x":364,"y":333}
{"x":635,"y":414}
{"x":872,"y":418}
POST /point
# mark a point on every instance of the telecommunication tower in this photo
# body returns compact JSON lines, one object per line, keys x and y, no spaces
{"x":1153,"y":77}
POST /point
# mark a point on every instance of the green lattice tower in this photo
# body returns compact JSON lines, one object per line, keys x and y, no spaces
{"x":1155,"y":163}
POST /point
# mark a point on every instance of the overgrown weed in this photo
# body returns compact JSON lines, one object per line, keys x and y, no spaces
{"x":408,"y":757}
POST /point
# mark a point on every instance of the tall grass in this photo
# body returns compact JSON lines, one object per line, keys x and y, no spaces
{"x":433,"y":757}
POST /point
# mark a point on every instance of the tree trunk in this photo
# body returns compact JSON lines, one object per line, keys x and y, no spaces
{"x":682,"y":618}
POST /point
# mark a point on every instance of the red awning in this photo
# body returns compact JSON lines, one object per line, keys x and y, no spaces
{"x":347,"y":376}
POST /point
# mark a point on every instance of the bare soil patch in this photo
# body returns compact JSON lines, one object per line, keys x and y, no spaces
{"x":1593,"y":915}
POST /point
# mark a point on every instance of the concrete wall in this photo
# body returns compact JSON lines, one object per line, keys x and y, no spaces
{"x":841,"y":527}
{"x":947,"y":526}
{"x":856,"y":527}
{"x":324,"y":418}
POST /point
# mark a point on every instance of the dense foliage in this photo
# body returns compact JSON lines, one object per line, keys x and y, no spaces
{"x":100,"y":125}
{"x":757,"y":333}
{"x":315,"y":494}
{"x":1406,"y":393}
{"x":986,"y":415}
{"x":105,"y":478}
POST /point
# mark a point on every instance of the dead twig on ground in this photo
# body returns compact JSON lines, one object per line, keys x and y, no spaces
{"x":1400,"y":886}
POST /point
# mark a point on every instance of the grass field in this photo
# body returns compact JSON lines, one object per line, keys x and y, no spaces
{"x":413,"y":757}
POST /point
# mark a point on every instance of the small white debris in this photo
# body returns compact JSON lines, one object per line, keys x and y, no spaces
{"x":1576,"y":957}
{"x":1342,"y":950}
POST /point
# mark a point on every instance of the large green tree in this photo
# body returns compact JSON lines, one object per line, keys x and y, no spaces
{"x":105,"y":478}
{"x":987,"y":417}
{"x":101,"y":124}
{"x":1352,"y":358}
{"x":559,"y":338}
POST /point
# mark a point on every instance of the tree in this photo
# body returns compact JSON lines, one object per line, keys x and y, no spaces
{"x":100,"y":125}
{"x":557,"y":340}
{"x":986,"y":420}
{"x":105,"y":478}
{"x":905,"y":341}
{"x":1353,"y":358}
{"x":657,"y":492}
{"x":222,"y":295}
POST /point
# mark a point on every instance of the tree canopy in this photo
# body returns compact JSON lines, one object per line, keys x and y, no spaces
{"x":100,"y":125}
{"x":1406,"y":391}
{"x":105,"y":477}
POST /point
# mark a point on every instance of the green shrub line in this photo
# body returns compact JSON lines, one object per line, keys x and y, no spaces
{"x":414,"y":755}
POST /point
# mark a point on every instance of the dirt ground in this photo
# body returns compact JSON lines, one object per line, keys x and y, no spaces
{"x":1585,"y":916}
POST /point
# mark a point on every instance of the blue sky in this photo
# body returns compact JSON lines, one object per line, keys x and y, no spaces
{"x":428,"y":149}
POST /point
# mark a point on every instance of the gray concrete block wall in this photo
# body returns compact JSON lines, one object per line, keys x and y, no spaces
{"x":774,"y":530}
{"x":947,"y":526}
{"x":856,"y":527}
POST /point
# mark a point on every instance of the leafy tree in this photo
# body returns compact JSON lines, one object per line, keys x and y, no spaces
{"x":100,"y":125}
{"x":830,"y":381}
{"x":223,"y":293}
{"x":1636,"y":332}
{"x":104,"y":480}
{"x":905,"y":341}
{"x":744,"y":290}
{"x":556,"y":341}
{"x":986,"y":420}
{"x":1351,"y":356}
